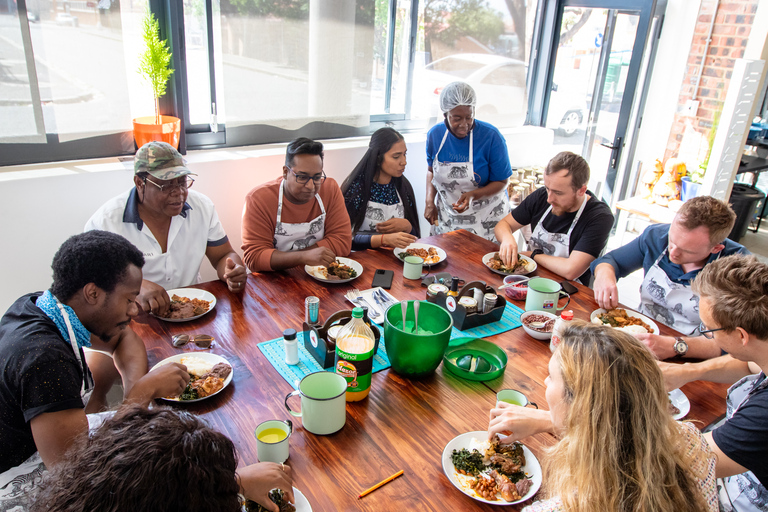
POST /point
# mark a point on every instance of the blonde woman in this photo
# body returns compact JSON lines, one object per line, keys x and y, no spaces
{"x":619,"y":448}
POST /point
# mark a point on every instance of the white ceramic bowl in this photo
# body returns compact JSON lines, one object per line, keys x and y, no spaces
{"x":543,"y":336}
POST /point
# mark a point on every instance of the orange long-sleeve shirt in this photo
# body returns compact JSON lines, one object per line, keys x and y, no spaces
{"x":260,"y":219}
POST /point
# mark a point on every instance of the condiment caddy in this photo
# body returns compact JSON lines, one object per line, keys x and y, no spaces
{"x":322,"y":346}
{"x":466,"y":315}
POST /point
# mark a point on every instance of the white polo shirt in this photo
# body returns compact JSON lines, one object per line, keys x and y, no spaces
{"x":191,"y":232}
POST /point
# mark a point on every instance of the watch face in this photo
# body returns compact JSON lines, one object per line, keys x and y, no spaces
{"x":681,"y":347}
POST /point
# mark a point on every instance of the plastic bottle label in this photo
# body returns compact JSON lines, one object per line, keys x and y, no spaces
{"x":354,"y":362}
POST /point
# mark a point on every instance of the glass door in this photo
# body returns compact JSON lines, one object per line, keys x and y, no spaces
{"x":592,"y":78}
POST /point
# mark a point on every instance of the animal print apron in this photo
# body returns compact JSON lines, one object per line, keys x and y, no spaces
{"x":17,"y":483}
{"x":298,"y":236}
{"x":379,"y":212}
{"x":451,"y":179}
{"x":743,"y":492}
{"x":670,"y":303}
{"x":554,"y":244}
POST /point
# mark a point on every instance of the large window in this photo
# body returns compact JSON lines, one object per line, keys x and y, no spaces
{"x":252,"y":71}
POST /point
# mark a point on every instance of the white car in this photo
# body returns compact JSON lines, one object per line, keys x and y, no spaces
{"x":499,"y":83}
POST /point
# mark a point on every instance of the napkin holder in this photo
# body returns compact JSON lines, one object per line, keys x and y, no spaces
{"x":320,"y":347}
{"x":462,"y":319}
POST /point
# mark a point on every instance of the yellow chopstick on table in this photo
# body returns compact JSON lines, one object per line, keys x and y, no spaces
{"x":368,"y":491}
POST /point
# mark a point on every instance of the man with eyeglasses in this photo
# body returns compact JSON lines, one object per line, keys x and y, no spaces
{"x":174,"y":227}
{"x":733,"y":306}
{"x":671,"y":256}
{"x":297,"y":219}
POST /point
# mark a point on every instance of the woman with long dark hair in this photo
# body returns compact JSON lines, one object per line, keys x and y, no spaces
{"x":379,"y":199}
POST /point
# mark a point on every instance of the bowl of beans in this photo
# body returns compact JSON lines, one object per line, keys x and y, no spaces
{"x":516,"y":291}
{"x":538,"y":324}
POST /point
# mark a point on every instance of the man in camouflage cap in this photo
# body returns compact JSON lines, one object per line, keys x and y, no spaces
{"x":173,"y":227}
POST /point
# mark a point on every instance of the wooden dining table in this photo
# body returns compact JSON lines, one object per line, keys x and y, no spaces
{"x":404,"y":424}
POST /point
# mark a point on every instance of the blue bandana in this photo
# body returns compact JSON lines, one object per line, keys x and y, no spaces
{"x":48,"y":304}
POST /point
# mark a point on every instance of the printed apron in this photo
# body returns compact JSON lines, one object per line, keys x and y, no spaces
{"x":554,"y":244}
{"x":743,"y":492}
{"x":298,"y":236}
{"x":379,"y":212}
{"x":451,"y":179}
{"x":17,"y":483}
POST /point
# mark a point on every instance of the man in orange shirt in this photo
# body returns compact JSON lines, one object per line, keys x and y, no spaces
{"x":297,"y":219}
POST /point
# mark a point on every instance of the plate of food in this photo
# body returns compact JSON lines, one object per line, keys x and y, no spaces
{"x":209,"y":373}
{"x":188,"y":304}
{"x":679,"y":405}
{"x":512,"y":473}
{"x":431,"y":254}
{"x":343,"y":270}
{"x":523,"y":267}
{"x":624,"y":320}
{"x":301,"y":502}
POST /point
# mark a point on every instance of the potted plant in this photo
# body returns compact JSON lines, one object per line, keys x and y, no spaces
{"x":155,"y":67}
{"x":693,"y":180}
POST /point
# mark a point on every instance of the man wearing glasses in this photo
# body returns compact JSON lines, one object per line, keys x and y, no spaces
{"x":733,"y":306}
{"x":297,"y":219}
{"x":174,"y":228}
{"x":671,"y":256}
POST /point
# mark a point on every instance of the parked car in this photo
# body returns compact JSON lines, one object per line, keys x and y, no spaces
{"x":500,"y":86}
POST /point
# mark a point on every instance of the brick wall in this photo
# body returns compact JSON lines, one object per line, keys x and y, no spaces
{"x":733,"y":21}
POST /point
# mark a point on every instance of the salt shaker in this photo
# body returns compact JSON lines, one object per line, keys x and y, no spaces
{"x":291,"y":346}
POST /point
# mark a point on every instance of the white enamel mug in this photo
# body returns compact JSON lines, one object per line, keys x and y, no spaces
{"x":323,"y":402}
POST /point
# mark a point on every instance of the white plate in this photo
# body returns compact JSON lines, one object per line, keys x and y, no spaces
{"x":440,"y":253}
{"x":461,"y":482}
{"x":530,"y":265}
{"x":635,"y":314}
{"x":301,"y":502}
{"x":679,"y":400}
{"x":191,"y":293}
{"x":344,"y":261}
{"x":207,"y":357}
{"x":368,"y":296}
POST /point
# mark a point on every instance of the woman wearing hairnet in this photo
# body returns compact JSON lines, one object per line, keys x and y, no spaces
{"x":468,"y":168}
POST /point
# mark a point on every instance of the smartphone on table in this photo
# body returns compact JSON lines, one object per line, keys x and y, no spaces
{"x":568,"y":288}
{"x":382,"y":278}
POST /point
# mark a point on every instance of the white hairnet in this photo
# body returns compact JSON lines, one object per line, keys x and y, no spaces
{"x":457,"y":94}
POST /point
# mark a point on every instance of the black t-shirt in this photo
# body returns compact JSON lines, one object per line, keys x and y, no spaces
{"x":744,"y":437}
{"x":39,"y":373}
{"x":589,"y":235}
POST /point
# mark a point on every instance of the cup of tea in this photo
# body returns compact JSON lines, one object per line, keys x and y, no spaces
{"x":323,"y":402}
{"x":514,"y":397}
{"x":544,"y":294}
{"x":272,"y":440}
{"x":412,"y":266}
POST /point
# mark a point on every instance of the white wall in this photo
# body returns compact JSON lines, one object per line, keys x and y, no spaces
{"x":43,"y":205}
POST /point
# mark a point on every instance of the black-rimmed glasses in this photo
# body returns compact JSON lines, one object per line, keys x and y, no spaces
{"x":183,"y":183}
{"x":317,"y":179}
{"x":707,"y":333}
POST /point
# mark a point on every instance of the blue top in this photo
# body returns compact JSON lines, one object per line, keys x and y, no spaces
{"x":489,"y":155}
{"x":645,"y":249}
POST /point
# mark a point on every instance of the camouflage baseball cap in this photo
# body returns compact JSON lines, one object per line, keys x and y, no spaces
{"x":161,"y":160}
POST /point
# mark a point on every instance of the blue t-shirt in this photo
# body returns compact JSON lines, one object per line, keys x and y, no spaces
{"x":490,"y":158}
{"x":645,"y":249}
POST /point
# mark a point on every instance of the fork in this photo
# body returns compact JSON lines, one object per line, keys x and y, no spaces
{"x":386,"y":299}
{"x":356,"y":297}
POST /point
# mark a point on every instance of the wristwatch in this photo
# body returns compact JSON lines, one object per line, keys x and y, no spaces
{"x":681,"y":347}
{"x":536,"y":252}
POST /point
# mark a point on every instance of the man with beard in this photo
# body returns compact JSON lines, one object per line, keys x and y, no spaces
{"x":671,"y":256}
{"x":570,"y":226}
{"x":44,"y":380}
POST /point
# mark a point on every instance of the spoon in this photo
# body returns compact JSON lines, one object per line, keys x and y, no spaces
{"x":416,"y":304}
{"x":536,"y":325}
{"x":514,"y":283}
{"x":404,"y":309}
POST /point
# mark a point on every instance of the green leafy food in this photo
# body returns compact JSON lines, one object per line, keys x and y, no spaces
{"x":469,"y":463}
{"x":189,"y":393}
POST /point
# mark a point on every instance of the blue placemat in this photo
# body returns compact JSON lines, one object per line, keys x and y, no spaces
{"x":275,"y":354}
{"x":509,"y":320}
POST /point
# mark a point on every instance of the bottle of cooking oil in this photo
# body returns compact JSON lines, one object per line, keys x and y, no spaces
{"x":354,"y":356}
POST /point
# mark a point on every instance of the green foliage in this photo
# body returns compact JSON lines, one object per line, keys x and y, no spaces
{"x":697,"y":176}
{"x":448,"y":20}
{"x":155,"y":62}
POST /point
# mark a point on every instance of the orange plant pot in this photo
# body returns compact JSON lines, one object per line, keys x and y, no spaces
{"x":145,"y":130}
